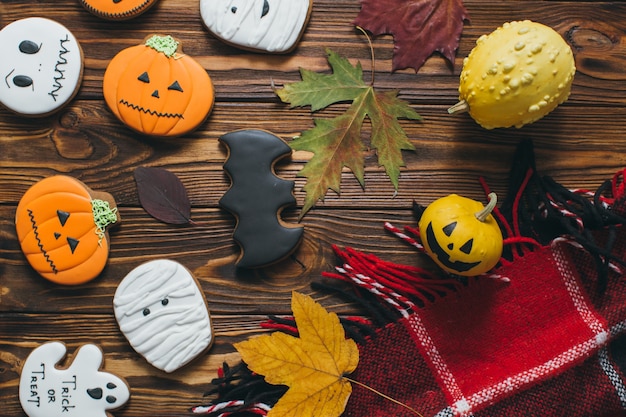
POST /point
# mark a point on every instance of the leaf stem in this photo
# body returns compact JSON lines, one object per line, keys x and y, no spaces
{"x":354,"y":381}
{"x":369,"y":41}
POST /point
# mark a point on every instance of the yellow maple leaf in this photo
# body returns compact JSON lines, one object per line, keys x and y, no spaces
{"x":313,"y":366}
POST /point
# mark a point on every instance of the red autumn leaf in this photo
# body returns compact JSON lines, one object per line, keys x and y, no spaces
{"x":419,"y":28}
{"x":163,"y":195}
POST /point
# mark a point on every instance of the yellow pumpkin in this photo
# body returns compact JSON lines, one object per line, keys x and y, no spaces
{"x":461,"y":235}
{"x":515,"y":75}
{"x":61,"y":226}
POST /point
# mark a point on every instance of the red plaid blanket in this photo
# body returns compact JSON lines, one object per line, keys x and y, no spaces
{"x":543,"y":334}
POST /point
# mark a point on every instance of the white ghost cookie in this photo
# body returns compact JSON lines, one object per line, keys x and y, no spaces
{"x":42,"y":66}
{"x":273,"y":26}
{"x":80,"y":390}
{"x":163,"y":313}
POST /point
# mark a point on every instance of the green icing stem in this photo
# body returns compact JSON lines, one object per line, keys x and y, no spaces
{"x":164,"y":44}
{"x":103,"y":215}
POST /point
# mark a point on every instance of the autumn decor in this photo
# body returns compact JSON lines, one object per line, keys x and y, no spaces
{"x":337,"y":143}
{"x":163,"y":195}
{"x":62,"y":228}
{"x":419,"y":28}
{"x":461,"y":235}
{"x":157,"y":90}
{"x":547,"y":342}
{"x":515,"y":75}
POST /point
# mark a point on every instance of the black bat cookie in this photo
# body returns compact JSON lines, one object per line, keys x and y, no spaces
{"x":257,"y":197}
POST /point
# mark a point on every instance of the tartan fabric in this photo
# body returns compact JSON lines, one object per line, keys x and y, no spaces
{"x":543,"y":334}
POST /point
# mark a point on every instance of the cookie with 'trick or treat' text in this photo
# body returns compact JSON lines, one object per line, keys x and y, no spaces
{"x":157,"y":90}
{"x":163,"y":314}
{"x":273,"y":26}
{"x":117,"y":9}
{"x":62,"y":226}
{"x":82,"y":389}
{"x":257,"y":197}
{"x":42,"y":66}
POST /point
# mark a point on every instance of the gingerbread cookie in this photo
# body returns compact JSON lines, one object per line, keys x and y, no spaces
{"x":62,"y":228}
{"x":162,"y":311}
{"x":117,"y":9}
{"x":157,"y":90}
{"x":257,"y":197}
{"x":273,"y":26}
{"x":42,"y":66}
{"x":82,"y":389}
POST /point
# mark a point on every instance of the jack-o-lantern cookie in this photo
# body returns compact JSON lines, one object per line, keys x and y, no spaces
{"x":82,"y":389}
{"x":62,"y":228}
{"x":273,"y":26}
{"x":157,"y":90}
{"x":162,"y":311}
{"x":117,"y":9}
{"x":42,"y":66}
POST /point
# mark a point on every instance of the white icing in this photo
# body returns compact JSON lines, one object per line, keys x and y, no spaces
{"x":171,"y":334}
{"x":49,"y":74}
{"x":48,"y":391}
{"x":242,"y":23}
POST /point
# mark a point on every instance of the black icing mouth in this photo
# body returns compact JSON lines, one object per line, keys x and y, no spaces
{"x":150,"y":112}
{"x":443,"y":256}
{"x":44,"y":252}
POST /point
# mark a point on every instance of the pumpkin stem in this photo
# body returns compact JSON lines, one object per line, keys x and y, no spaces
{"x":167,"y":45}
{"x":103,"y":215}
{"x":460,"y":107}
{"x":486,"y":211}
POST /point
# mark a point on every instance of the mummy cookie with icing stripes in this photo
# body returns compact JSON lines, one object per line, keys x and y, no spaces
{"x":273,"y":26}
{"x":82,"y":389}
{"x":117,"y":9}
{"x":163,"y":314}
{"x":42,"y":66}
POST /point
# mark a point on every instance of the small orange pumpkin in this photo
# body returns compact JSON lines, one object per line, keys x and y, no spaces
{"x":157,"y":90}
{"x":61,"y":226}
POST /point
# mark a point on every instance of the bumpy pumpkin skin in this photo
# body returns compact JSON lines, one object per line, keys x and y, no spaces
{"x":156,"y":94}
{"x":51,"y":213}
{"x":516,"y":75}
{"x":456,"y":240}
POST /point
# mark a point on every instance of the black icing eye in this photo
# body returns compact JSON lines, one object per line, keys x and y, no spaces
{"x":175,"y":86}
{"x":266,"y":8}
{"x":146,"y":311}
{"x":22,"y":81}
{"x":111,"y":399}
{"x":29,"y":47}
{"x":165,"y":302}
{"x":144,"y":78}
{"x":72,"y":243}
{"x":111,"y":385}
{"x":233,"y":9}
{"x":63,"y":216}
{"x":467,"y":247}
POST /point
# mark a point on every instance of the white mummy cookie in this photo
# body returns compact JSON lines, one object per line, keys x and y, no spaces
{"x":42,"y":66}
{"x":80,"y":390}
{"x":163,"y":314}
{"x":261,"y":25}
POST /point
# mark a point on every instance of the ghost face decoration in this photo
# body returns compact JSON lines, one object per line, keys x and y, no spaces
{"x":163,"y":313}
{"x":261,"y":25}
{"x":41,"y":67}
{"x":80,"y":390}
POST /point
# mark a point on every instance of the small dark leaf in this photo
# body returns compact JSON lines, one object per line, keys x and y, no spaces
{"x":163,"y":195}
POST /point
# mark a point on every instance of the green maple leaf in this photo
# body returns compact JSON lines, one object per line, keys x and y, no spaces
{"x":336,"y":143}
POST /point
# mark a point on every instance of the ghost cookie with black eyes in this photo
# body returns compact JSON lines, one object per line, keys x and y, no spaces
{"x":157,"y":90}
{"x":42,"y":66}
{"x":117,"y":9}
{"x":61,"y":225}
{"x":163,"y":313}
{"x":273,"y":26}
{"x":81,"y":389}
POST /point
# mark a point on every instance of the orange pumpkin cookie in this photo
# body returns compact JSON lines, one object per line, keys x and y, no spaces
{"x":117,"y":9}
{"x":61,"y":225}
{"x":157,"y":90}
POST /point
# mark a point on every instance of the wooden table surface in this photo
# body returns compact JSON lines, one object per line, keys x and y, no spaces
{"x":581,"y":144}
